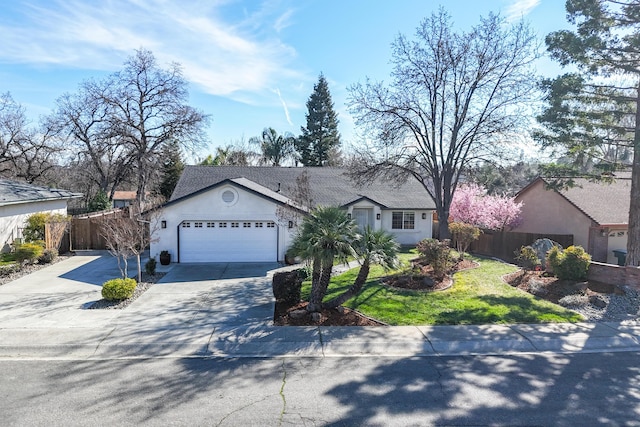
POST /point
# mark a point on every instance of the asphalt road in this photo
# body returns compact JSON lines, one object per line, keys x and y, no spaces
{"x":559,"y":390}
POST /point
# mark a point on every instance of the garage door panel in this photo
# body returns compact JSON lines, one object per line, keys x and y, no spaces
{"x":228,"y":241}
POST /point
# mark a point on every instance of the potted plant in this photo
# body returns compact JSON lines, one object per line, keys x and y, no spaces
{"x":165,"y":257}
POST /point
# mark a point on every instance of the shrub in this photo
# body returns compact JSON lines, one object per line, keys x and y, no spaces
{"x":28,"y":252}
{"x":34,"y":228}
{"x":437,"y":254}
{"x":570,"y":264}
{"x":48,"y":256}
{"x":118,"y":289}
{"x":527,"y":258}
{"x":463,"y":234}
{"x":150,"y":266}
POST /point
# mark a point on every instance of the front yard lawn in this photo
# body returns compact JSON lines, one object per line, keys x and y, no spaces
{"x":478,"y":296}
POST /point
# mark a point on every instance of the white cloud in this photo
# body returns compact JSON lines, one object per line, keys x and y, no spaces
{"x":520,"y":8}
{"x":224,"y":58}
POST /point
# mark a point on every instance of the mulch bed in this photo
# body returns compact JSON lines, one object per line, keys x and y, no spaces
{"x":424,"y":280}
{"x":341,"y":316}
{"x":553,"y":289}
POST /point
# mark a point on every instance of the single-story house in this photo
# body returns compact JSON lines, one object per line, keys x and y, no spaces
{"x":18,"y":201}
{"x":229,"y":213}
{"x":595,"y":213}
{"x":122,"y":199}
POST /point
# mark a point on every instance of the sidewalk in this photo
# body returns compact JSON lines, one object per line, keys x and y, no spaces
{"x":228,"y":314}
{"x":262,"y":340}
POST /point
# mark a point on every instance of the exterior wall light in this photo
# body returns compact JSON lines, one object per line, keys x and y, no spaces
{"x":163,"y":224}
{"x":348,"y":216}
{"x":424,"y":215}
{"x":290,"y":224}
{"x":378,"y":216}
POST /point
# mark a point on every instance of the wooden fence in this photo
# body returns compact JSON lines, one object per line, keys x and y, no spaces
{"x":503,"y":244}
{"x":85,"y":230}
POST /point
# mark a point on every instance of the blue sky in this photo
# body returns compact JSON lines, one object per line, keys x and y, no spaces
{"x":250,"y":64}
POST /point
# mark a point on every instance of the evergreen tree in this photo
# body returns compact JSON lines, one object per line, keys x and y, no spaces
{"x":595,"y":112}
{"x":171,"y":169}
{"x":320,"y":140}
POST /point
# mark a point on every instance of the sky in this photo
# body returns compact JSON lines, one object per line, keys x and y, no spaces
{"x":250,"y":64}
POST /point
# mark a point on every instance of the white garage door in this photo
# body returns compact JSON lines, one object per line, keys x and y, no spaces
{"x":228,"y":241}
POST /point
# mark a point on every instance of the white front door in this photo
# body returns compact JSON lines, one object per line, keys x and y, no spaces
{"x":228,"y":241}
{"x":363,"y":217}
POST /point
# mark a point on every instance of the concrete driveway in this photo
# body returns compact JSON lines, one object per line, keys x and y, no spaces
{"x":211,"y":294}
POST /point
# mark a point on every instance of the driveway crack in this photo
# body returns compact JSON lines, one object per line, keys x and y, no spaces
{"x":284,"y":399}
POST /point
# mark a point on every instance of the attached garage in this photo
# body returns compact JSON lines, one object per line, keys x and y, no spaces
{"x":228,"y":241}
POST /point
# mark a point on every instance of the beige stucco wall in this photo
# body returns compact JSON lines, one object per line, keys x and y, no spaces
{"x":545,"y":211}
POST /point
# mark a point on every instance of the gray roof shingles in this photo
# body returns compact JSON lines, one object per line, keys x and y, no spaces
{"x":329,"y":186}
{"x":604,"y":203}
{"x":13,"y":192}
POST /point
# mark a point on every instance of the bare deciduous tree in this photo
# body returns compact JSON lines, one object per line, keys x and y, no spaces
{"x":26,"y":152}
{"x":128,"y":236}
{"x":123,"y":121}
{"x":454,"y":98}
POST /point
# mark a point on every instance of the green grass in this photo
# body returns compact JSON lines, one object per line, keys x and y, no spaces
{"x":478,"y":296}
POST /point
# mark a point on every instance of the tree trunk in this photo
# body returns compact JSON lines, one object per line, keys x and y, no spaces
{"x":318,"y":292}
{"x":443,"y":226}
{"x":353,"y":290}
{"x":633,"y":239}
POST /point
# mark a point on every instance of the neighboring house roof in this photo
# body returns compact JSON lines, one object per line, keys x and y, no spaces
{"x":329,"y":186}
{"x":124,"y":195}
{"x":606,"y":204}
{"x":12,"y":192}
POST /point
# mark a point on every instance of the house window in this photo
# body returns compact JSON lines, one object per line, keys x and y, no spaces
{"x":186,"y":225}
{"x":258,"y":225}
{"x":197,"y":224}
{"x":235,"y":224}
{"x":246,"y":224}
{"x":271,"y":224}
{"x":211,"y":224}
{"x":403,"y":220}
{"x":222,"y":224}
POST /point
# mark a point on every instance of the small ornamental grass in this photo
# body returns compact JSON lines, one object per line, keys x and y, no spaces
{"x":118,"y":289}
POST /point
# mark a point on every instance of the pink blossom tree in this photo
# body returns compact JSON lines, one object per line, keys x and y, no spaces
{"x":472,"y":205}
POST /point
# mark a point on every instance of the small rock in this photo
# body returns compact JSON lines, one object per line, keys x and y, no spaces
{"x":598,"y":301}
{"x":316,"y":317}
{"x":341,"y":310}
{"x":298,"y":314}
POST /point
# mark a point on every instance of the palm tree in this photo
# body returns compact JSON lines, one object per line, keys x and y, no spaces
{"x":275,"y":148}
{"x":375,"y":247}
{"x":326,"y":234}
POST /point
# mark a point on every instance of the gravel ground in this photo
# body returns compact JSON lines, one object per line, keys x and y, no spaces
{"x":619,"y":308}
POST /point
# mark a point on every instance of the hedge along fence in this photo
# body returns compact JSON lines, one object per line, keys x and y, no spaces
{"x":503,"y":244}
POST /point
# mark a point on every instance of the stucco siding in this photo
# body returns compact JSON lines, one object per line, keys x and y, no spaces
{"x":423,"y":227}
{"x":13,"y":218}
{"x":545,"y":211}
{"x":211,"y":206}
{"x":247,"y":206}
